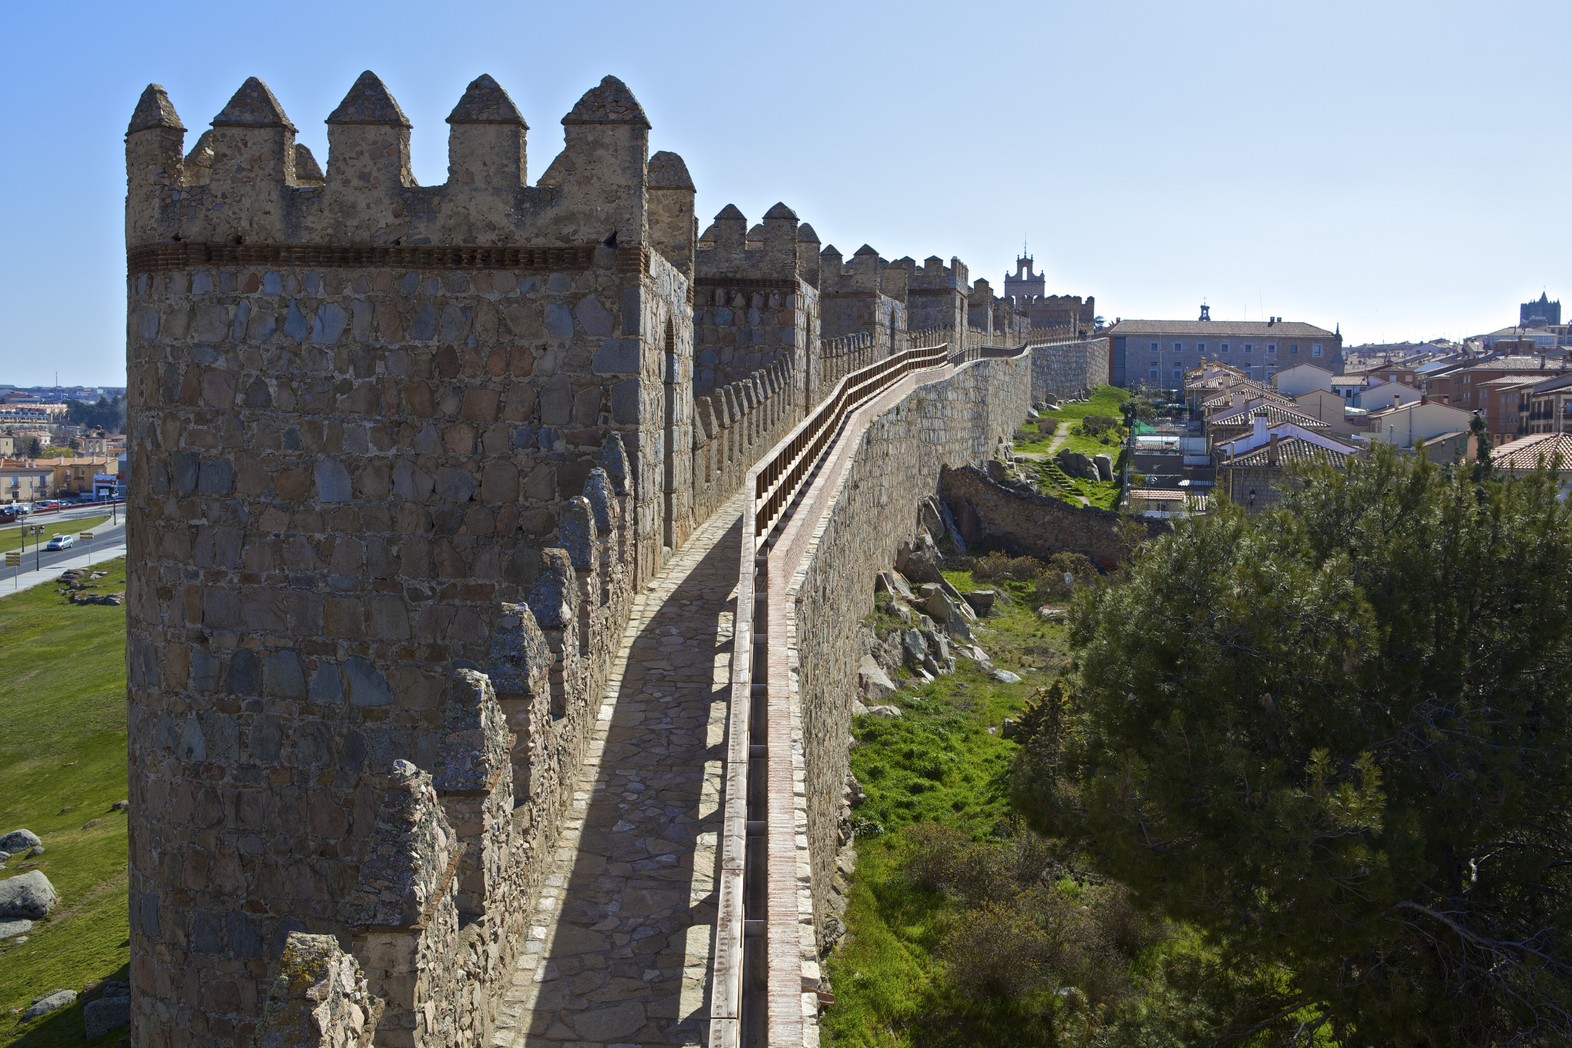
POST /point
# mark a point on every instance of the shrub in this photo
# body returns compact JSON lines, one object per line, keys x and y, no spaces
{"x":996,"y":566}
{"x":998,"y":951}
{"x":1056,"y":579}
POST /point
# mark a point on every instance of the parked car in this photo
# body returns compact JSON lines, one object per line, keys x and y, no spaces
{"x":47,"y":506}
{"x":61,"y":542}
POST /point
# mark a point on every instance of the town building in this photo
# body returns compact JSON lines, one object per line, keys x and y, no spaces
{"x":1424,"y":421}
{"x":1157,"y":353}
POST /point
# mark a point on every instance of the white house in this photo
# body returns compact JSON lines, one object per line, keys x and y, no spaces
{"x":1382,"y":395}
{"x":1408,"y":424}
{"x":1302,"y":378}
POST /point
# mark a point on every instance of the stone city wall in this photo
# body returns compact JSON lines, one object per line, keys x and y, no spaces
{"x":1064,"y":369}
{"x":897,"y":461}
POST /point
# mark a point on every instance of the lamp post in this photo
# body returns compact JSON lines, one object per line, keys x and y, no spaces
{"x":37,"y":531}
{"x":1252,"y":500}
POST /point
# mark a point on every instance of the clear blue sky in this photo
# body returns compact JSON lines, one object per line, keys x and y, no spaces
{"x":1399,"y":167}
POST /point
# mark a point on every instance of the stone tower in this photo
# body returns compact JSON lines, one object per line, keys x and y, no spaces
{"x":363,"y":414}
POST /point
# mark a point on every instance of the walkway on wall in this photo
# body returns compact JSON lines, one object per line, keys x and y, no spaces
{"x":619,"y":944}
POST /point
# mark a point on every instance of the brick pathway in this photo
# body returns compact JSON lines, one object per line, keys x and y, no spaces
{"x":619,"y":948}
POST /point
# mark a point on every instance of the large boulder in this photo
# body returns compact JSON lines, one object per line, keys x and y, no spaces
{"x":109,"y":1012}
{"x":29,"y":896}
{"x":50,"y":1002}
{"x":11,"y":929}
{"x":1077,"y":465}
{"x":1104,"y":464}
{"x":19,"y":841}
{"x":872,"y":681}
{"x":919,"y":560}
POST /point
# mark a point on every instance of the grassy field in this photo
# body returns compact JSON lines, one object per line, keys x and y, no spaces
{"x":62,"y":765}
{"x":11,"y":538}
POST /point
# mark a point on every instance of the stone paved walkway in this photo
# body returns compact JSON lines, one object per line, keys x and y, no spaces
{"x":619,"y":948}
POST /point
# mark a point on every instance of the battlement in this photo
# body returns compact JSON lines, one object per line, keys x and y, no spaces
{"x":730,"y":252}
{"x":247,"y":185}
{"x":935,"y":275}
{"x":863,"y":274}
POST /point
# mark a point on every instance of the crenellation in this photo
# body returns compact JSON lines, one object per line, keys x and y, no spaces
{"x":487,"y":146}
{"x":674,"y":230}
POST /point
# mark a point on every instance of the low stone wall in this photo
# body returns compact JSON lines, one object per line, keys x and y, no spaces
{"x":896,"y":463}
{"x":991,"y":516}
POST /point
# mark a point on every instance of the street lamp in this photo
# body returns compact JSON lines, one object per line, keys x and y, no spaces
{"x":1252,"y":500}
{"x":37,"y":531}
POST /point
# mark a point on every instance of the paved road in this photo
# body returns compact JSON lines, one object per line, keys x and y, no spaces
{"x":108,"y":542}
{"x":618,"y":951}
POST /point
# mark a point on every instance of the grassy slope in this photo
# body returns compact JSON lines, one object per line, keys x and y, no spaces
{"x":1105,"y":400}
{"x":937,"y":762}
{"x":62,"y":764}
{"x":11,"y":538}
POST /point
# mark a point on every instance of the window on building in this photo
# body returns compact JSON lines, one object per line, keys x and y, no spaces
{"x":1249,"y":347}
{"x":1152,"y":374}
{"x":1293,"y":347}
{"x":1178,"y":347}
{"x":1200,"y":347}
{"x":1271,"y":347}
{"x":1315,"y":349}
{"x":1223,"y":348}
{"x":1154,"y":347}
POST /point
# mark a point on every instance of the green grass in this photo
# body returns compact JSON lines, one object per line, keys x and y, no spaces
{"x":62,"y":764}
{"x":11,"y":538}
{"x":943,"y":760}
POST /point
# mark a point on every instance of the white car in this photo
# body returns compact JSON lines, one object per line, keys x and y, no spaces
{"x":61,"y":542}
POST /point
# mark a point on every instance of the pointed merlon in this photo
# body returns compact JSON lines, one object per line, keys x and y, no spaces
{"x":933,"y":260}
{"x":780,"y":211}
{"x":306,"y":167}
{"x":253,"y":106}
{"x":729,"y":213}
{"x":667,"y":171}
{"x":485,"y":102}
{"x":806,"y":234}
{"x":610,"y":102}
{"x":154,"y":110}
{"x":202,"y":153}
{"x":368,"y":102}
{"x":864,"y":252}
{"x":757,"y":232}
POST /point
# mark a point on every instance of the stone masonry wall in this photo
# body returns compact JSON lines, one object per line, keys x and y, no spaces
{"x":362,"y":414}
{"x":992,"y":516}
{"x":1066,"y":368}
{"x":897,"y":462}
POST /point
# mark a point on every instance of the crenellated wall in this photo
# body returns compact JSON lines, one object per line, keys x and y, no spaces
{"x":365,"y":422}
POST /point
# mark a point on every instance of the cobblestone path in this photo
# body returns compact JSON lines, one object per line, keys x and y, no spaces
{"x":619,"y":945}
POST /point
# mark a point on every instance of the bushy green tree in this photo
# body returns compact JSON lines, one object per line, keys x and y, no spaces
{"x":1338,"y":738}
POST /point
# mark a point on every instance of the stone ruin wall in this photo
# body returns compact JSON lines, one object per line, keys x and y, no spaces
{"x":896,"y":464}
{"x":378,"y":439}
